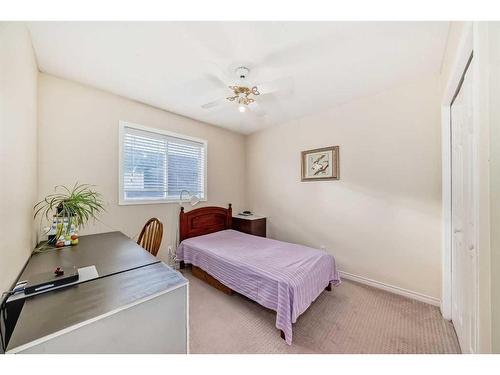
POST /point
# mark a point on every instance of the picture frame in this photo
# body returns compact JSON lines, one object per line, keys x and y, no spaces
{"x":320,"y":164}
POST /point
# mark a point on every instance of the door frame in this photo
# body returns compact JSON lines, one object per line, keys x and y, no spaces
{"x":464,"y":52}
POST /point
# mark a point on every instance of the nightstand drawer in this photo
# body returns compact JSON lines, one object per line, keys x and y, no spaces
{"x":250,"y":225}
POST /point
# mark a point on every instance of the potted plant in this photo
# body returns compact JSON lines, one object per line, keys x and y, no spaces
{"x":68,"y":210}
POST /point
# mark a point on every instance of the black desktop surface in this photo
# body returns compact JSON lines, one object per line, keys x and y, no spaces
{"x":110,"y":253}
{"x":53,"y":312}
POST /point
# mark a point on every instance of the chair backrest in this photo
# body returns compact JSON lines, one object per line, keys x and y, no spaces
{"x":151,"y":236}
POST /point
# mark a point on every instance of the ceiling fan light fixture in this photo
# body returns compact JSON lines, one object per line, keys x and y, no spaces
{"x":244,"y":94}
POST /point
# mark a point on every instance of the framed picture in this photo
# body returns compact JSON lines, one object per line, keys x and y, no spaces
{"x":320,"y":164}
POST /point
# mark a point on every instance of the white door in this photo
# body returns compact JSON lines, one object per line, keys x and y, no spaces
{"x":464,"y":295}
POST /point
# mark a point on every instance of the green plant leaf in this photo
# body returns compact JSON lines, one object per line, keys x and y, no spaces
{"x":79,"y":204}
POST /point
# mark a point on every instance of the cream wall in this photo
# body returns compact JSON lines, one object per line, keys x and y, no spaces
{"x":18,"y":149}
{"x":382,"y":219}
{"x":78,"y":141}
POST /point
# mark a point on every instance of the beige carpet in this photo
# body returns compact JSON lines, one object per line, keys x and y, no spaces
{"x":353,"y":318}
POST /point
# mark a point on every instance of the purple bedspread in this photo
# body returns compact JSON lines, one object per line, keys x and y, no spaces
{"x":281,"y":276}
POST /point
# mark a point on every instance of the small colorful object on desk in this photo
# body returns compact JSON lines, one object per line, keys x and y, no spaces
{"x":62,"y":233}
{"x":59,"y":271}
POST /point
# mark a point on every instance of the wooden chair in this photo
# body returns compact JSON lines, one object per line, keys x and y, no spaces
{"x":151,"y":235}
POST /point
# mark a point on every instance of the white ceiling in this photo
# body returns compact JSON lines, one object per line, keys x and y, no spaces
{"x":175,"y":65}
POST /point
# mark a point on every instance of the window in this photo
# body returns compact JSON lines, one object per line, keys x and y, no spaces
{"x":156,"y":166}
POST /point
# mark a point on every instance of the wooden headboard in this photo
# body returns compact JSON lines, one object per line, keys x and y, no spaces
{"x":204,"y":220}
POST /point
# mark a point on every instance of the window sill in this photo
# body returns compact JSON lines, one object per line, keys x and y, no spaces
{"x":160,"y":201}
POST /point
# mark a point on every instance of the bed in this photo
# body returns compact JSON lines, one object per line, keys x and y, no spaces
{"x":280,"y":276}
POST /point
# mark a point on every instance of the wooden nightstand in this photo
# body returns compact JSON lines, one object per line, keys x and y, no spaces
{"x":255,"y":225}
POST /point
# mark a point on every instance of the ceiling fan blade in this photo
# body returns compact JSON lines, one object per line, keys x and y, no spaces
{"x":214,"y":103}
{"x":216,"y":72}
{"x":281,"y":84}
{"x":215,"y":79}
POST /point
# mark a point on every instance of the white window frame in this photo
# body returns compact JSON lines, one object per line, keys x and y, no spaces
{"x":121,"y":133}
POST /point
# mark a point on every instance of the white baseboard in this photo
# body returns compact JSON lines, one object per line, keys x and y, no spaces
{"x":391,"y":288}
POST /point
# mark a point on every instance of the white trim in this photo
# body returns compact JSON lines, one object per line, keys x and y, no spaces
{"x":391,"y":288}
{"x":43,"y":339}
{"x":481,"y":130}
{"x":463,"y":54}
{"x":121,"y":128}
{"x":446,"y":213}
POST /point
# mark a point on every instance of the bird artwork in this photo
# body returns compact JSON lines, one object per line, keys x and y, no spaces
{"x":319,"y":166}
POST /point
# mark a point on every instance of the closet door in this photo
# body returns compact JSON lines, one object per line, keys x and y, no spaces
{"x":464,"y":294}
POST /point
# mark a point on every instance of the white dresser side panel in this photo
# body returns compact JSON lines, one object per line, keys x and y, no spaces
{"x":157,"y":325}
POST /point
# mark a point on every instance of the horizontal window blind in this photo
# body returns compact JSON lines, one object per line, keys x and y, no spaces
{"x":157,"y":166}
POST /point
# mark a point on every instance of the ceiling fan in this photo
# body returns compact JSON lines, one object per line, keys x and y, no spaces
{"x":246,"y":95}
